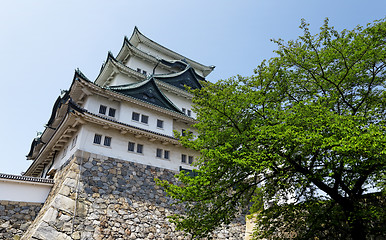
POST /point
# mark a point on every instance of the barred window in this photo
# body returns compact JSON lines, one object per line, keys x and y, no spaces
{"x":107,"y":141}
{"x":112,"y":112}
{"x":166,"y":154}
{"x":102,"y":109}
{"x":183,"y":158}
{"x":135,"y":116}
{"x":131,"y":146}
{"x":139,"y":148}
{"x":145,"y":119}
{"x":97,"y":139}
{"x":160,"y":123}
{"x":74,"y":141}
{"x":159,"y":153}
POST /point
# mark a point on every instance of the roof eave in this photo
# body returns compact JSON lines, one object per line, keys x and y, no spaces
{"x":174,"y":55}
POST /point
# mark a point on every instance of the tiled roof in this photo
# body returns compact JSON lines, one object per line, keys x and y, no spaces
{"x":137,"y":36}
{"x":187,"y":77}
{"x":146,"y":91}
{"x":25,"y":178}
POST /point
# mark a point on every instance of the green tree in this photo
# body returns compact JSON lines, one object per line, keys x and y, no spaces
{"x":308,"y":127}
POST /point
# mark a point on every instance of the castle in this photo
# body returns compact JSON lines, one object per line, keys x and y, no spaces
{"x":93,"y":167}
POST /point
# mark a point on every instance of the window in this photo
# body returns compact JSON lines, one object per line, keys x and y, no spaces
{"x":145,"y":119}
{"x":131,"y":146}
{"x":107,"y":141}
{"x":112,"y":112}
{"x":190,"y":160}
{"x":183,"y":110}
{"x":74,"y":142}
{"x":166,"y":154}
{"x":183,"y":132}
{"x":183,"y":158}
{"x":64,"y":152}
{"x":189,"y":113}
{"x":144,"y":72}
{"x":138,"y":70}
{"x":102,"y":109}
{"x":97,"y":139}
{"x":160,"y":123}
{"x":135,"y":116}
{"x":191,"y":173}
{"x":139,"y":148}
{"x":159,"y":153}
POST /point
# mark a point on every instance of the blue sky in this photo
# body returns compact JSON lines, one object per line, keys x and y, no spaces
{"x":43,"y":41}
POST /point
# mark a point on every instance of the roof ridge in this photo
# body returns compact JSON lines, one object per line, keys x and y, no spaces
{"x":180,"y":56}
{"x":26,"y":178}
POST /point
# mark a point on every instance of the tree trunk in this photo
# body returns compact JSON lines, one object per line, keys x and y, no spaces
{"x":357,"y":230}
{"x":356,"y":226}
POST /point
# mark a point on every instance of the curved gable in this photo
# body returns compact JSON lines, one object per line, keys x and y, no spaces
{"x":188,"y":78}
{"x":147,"y":91}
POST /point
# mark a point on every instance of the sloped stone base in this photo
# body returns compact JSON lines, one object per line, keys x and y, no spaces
{"x":95,"y":197}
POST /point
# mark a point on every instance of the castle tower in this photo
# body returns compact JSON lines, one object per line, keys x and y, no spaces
{"x":106,"y":141}
{"x":129,"y":112}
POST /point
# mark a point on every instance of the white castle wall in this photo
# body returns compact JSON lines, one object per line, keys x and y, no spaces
{"x":125,"y":110}
{"x":135,"y":62}
{"x":121,"y":79}
{"x":153,"y":52}
{"x":22,"y":191}
{"x":180,"y":102}
{"x":119,"y":149}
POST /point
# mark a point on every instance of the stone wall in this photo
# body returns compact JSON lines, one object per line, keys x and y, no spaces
{"x":96,"y":197}
{"x":16,"y":217}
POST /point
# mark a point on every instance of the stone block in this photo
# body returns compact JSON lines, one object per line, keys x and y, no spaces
{"x":50,"y":215}
{"x":75,"y":235}
{"x":72,"y":175}
{"x":70,"y":183}
{"x":65,"y":190}
{"x":44,"y":231}
{"x":64,"y":203}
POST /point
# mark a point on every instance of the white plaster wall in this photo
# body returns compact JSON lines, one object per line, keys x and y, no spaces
{"x":124,"y":113}
{"x":66,"y":152}
{"x":135,"y":62}
{"x":127,"y":110}
{"x":180,"y":102}
{"x":119,"y":148}
{"x":93,"y":103}
{"x":20,"y":191}
{"x":121,"y":79}
{"x":155,"y":53}
{"x":160,"y":70}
